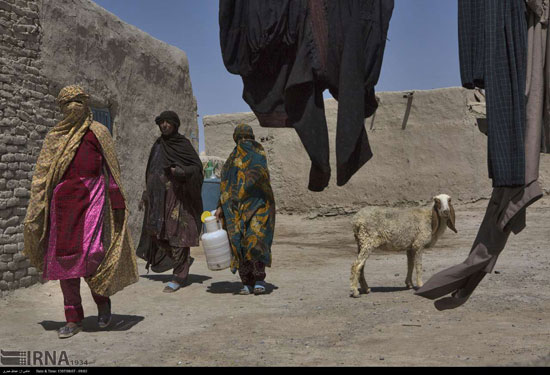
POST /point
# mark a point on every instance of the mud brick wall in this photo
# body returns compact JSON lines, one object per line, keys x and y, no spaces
{"x":26,"y":112}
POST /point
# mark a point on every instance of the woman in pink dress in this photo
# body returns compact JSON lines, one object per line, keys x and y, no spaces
{"x":79,"y":228}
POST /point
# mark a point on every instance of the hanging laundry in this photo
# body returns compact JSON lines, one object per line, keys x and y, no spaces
{"x":289,"y":51}
{"x":506,"y":211}
{"x":492,"y":36}
{"x":538,"y":69}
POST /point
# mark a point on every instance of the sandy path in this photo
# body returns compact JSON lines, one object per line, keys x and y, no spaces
{"x":308,"y":317}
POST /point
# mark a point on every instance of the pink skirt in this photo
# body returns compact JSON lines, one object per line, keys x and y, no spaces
{"x":74,"y":243}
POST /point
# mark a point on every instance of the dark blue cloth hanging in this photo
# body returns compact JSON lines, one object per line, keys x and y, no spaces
{"x":493,"y":56}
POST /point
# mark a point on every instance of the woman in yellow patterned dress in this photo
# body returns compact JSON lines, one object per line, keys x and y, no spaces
{"x":248,"y":209}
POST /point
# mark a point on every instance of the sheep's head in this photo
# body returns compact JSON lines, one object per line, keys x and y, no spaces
{"x":443,"y":209}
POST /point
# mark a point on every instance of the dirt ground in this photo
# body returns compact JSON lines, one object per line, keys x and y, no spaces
{"x":308,"y":318}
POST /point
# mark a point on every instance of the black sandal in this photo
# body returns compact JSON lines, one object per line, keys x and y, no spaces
{"x":103,"y":320}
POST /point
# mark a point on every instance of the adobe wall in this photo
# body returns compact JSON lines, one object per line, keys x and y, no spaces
{"x":441,"y":150}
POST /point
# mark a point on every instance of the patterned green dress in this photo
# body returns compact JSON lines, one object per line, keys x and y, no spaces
{"x":247,"y":201}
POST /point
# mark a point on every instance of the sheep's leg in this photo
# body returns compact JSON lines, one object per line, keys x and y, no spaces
{"x":363,"y":281}
{"x":357,"y":268}
{"x":418,"y":267}
{"x":410,"y":266}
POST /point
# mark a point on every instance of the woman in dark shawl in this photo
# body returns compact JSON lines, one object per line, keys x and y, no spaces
{"x":172,"y":201}
{"x":248,"y":207}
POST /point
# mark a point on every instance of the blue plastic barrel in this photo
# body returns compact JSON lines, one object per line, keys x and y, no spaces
{"x":210,"y":193}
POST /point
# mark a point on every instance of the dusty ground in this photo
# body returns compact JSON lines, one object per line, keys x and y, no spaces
{"x":308,"y":317}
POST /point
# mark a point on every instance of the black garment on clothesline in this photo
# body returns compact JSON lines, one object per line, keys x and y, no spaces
{"x":289,"y":51}
{"x":492,"y":37}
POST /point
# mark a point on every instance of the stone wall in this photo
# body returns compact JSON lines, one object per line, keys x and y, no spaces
{"x":48,"y":44}
{"x":26,"y":112}
{"x":441,"y":150}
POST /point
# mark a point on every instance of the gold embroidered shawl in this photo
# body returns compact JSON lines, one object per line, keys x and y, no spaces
{"x":119,"y":268}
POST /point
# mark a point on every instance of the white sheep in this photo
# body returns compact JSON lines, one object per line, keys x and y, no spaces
{"x":399,"y":229}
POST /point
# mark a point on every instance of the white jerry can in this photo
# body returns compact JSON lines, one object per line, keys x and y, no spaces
{"x":216,"y":245}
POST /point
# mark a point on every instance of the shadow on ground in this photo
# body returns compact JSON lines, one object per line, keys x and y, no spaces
{"x":191,"y":279}
{"x":388,"y":289}
{"x":89,"y":324}
{"x":234,"y":287}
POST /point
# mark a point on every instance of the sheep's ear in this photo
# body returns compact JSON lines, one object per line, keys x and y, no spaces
{"x":435,"y":221}
{"x":451,"y":221}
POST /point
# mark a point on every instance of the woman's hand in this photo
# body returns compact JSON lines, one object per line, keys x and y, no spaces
{"x":219,"y":214}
